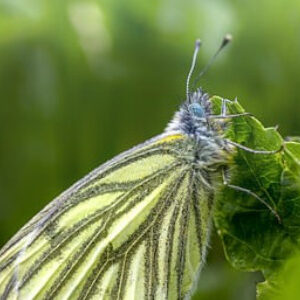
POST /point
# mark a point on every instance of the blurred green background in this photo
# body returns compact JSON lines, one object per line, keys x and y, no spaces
{"x":81,"y":81}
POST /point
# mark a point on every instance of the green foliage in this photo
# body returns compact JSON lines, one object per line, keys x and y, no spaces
{"x":285,"y":284}
{"x":253,"y":237}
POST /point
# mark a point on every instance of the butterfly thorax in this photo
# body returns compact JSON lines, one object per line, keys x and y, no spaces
{"x":208,"y":149}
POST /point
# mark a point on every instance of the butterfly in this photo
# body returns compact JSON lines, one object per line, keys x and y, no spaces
{"x":138,"y":226}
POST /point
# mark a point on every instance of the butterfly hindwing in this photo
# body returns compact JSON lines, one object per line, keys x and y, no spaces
{"x":135,"y":228}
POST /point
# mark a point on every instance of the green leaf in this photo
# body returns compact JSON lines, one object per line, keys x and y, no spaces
{"x":253,"y":238}
{"x":285,"y":284}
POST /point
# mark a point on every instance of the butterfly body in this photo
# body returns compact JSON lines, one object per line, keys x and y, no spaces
{"x":192,"y":120}
{"x":135,"y":228}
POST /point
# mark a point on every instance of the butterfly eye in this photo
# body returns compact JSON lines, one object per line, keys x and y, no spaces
{"x":197,"y":110}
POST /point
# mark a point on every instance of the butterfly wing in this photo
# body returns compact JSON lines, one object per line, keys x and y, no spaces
{"x":135,"y":228}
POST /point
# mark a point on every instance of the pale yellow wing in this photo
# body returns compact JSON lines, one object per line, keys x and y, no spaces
{"x":135,"y":228}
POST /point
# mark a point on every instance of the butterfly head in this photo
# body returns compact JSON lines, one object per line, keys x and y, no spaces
{"x":193,"y":114}
{"x":197,"y":102}
{"x":196,"y":110}
{"x":193,"y":118}
{"x":198,"y":105}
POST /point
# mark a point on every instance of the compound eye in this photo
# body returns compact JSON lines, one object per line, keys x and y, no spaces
{"x":197,"y":110}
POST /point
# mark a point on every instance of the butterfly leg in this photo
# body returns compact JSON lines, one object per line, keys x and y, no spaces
{"x":224,"y":115}
{"x":248,"y":192}
{"x":267,"y":152}
{"x":223,"y":108}
{"x":230,"y":116}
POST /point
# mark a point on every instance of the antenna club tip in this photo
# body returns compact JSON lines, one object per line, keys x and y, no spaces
{"x":198,"y":43}
{"x":228,"y":37}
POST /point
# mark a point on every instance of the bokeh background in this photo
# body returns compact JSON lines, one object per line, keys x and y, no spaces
{"x":81,"y":81}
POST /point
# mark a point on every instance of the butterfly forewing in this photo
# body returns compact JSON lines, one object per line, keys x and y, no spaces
{"x":135,"y":228}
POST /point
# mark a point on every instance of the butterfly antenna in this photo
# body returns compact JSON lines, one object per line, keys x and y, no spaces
{"x":226,"y":40}
{"x":197,"y":47}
